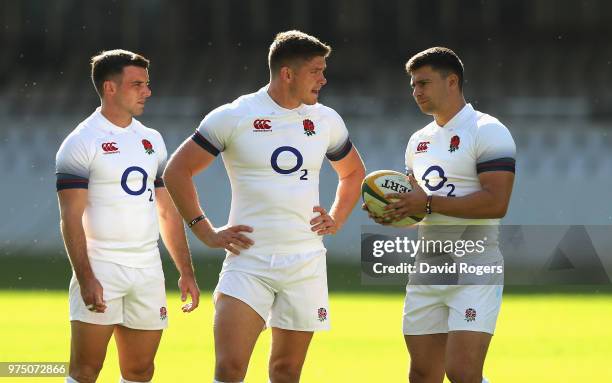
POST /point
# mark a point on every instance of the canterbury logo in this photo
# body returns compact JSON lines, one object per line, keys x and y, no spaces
{"x":262,"y":124}
{"x":109,"y":147}
{"x":422,"y":146}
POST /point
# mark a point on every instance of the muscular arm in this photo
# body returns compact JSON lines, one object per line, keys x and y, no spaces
{"x":72,"y":203}
{"x":173,"y":234}
{"x":350,"y":172}
{"x":490,"y":202}
{"x":185,"y":163}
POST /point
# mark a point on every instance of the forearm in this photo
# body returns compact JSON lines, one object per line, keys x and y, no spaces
{"x":173,"y":234}
{"x":347,"y":195}
{"x":477,"y":205}
{"x":179,"y":184}
{"x":76,"y":247}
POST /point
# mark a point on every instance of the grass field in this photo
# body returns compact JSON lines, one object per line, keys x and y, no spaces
{"x":540,"y":338}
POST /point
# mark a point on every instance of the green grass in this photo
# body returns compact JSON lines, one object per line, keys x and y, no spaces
{"x":540,"y":338}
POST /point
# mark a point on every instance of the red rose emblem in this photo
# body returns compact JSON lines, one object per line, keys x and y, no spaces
{"x":454,"y":144}
{"x":470,"y":315}
{"x":322,"y":313}
{"x":309,"y":128}
{"x":148,"y":147}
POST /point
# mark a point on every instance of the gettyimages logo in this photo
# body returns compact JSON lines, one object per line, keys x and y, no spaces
{"x":487,"y":255}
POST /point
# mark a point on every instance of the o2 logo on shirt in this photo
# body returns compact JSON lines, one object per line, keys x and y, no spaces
{"x":441,"y":183}
{"x":143,"y":187}
{"x":298,"y":164}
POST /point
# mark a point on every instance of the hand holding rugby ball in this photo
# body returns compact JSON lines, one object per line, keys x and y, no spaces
{"x":377,"y":185}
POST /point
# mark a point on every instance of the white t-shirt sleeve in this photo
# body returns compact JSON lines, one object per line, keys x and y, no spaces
{"x":72,"y":163}
{"x":495,"y":148}
{"x":215,"y":130}
{"x":339,"y":143}
{"x":408,"y":156}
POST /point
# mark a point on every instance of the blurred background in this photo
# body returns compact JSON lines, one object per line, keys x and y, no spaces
{"x":542,"y":67}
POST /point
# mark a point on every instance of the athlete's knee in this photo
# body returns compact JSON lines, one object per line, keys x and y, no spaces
{"x":85,"y":373}
{"x":230,"y":369}
{"x":285,"y":370}
{"x":138,"y":372}
{"x":461,"y":374}
{"x":422,"y":374}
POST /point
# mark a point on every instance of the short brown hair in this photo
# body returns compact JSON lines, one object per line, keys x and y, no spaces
{"x":110,"y":63}
{"x":440,"y":59}
{"x":291,"y":46}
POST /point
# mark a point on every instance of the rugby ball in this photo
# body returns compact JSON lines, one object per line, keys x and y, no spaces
{"x":377,"y":185}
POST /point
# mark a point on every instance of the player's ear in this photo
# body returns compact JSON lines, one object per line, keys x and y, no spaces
{"x":285,"y":73}
{"x":453,"y":80}
{"x":109,"y":87}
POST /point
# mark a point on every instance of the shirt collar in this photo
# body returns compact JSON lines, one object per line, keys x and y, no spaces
{"x":109,"y":126}
{"x":458,"y":118}
{"x":274,"y":107}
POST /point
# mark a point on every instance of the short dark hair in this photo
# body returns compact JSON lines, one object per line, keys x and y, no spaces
{"x":110,"y":63}
{"x":291,"y":46}
{"x":440,"y":59}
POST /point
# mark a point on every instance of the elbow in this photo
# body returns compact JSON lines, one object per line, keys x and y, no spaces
{"x":356,"y":175}
{"x":360,"y":173}
{"x":168,"y":175}
{"x":499,"y":211}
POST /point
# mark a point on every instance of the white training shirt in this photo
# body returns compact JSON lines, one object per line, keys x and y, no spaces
{"x":446,"y":161}
{"x":120,"y":167}
{"x":273,"y":157}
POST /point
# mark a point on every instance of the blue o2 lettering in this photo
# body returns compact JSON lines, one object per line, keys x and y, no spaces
{"x":298,"y":156}
{"x":440,"y":172}
{"x":124,"y":179}
{"x":441,"y":183}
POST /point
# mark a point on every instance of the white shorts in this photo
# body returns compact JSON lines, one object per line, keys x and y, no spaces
{"x":287,"y":291}
{"x":434,"y":309}
{"x":135,"y":297}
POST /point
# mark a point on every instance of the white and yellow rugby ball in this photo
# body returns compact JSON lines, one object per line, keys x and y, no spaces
{"x":377,"y":185}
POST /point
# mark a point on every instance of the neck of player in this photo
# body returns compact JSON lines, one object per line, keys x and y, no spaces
{"x":449,"y":110}
{"x":116,"y":116}
{"x":282,"y":96}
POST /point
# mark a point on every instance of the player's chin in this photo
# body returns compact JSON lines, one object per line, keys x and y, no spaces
{"x":425,"y":109}
{"x":138,"y":110}
{"x":312,"y":99}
